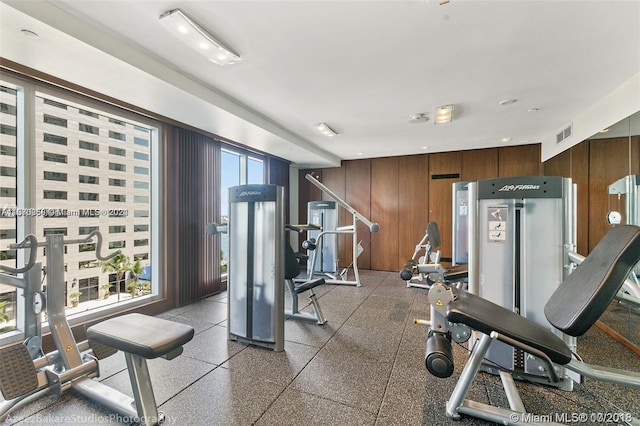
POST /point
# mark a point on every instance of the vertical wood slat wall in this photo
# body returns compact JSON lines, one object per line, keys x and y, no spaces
{"x":402,"y":195}
{"x":192,"y":258}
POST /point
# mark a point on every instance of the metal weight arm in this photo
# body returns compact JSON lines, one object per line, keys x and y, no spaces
{"x":373,"y":227}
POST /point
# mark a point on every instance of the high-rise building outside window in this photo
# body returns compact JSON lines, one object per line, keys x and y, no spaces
{"x":89,"y":166}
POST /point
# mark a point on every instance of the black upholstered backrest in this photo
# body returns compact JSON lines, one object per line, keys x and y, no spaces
{"x":434,"y":234}
{"x":580,"y":300}
{"x":291,"y":265}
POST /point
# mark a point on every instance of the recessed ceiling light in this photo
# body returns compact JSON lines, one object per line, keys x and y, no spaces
{"x":30,"y":33}
{"x":604,"y":130}
{"x":507,"y":102}
{"x":443,"y":114}
{"x":418,"y":117}
{"x":424,"y":148}
{"x":533,"y":110}
{"x":505,"y":139}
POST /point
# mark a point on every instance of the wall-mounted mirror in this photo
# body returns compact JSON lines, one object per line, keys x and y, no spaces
{"x":626,"y":127}
{"x":622,"y":319}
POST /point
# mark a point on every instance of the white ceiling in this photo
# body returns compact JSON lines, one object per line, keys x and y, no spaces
{"x":361,"y":66}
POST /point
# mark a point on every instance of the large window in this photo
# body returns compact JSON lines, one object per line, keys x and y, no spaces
{"x":79,"y":199}
{"x":236,"y":169}
{"x":8,"y":200}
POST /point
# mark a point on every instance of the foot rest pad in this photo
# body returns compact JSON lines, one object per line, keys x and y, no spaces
{"x":18,"y":375}
{"x":148,"y":337}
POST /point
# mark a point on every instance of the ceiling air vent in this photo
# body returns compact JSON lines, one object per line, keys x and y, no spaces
{"x":564,"y":134}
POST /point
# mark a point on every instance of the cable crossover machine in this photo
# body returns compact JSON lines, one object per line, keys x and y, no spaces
{"x":313,"y":243}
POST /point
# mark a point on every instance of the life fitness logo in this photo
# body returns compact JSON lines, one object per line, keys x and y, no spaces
{"x":511,"y":188}
{"x":248,"y":193}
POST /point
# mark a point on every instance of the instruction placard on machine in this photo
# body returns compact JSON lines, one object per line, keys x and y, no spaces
{"x":497,"y":219}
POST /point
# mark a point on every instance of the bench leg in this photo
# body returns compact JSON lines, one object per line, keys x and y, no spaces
{"x":142,"y":390}
{"x":316,"y":307}
{"x":466,"y":377}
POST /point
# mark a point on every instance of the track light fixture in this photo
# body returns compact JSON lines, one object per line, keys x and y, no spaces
{"x":196,"y":37}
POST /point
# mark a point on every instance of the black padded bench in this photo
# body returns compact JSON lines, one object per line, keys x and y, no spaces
{"x":142,"y":337}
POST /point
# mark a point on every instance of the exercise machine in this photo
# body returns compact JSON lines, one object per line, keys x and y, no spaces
{"x":349,"y":230}
{"x":26,"y":371}
{"x":521,"y":230}
{"x":256,"y":256}
{"x":571,"y":310}
{"x":256,"y":259}
{"x":423,"y":270}
{"x":260,"y":261}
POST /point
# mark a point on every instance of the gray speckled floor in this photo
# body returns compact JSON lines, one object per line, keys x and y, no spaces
{"x":365,"y":366}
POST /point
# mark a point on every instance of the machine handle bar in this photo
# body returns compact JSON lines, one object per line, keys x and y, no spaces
{"x":33,"y":242}
{"x":373,"y":227}
{"x":30,"y":242}
{"x":88,"y":238}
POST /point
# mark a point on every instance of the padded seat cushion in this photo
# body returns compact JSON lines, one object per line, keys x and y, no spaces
{"x":149,"y":337}
{"x":485,"y":316}
{"x":584,"y":295}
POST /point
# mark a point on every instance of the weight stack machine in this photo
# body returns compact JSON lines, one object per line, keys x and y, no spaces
{"x":256,"y":265}
{"x":323,"y":214}
{"x":521,"y":230}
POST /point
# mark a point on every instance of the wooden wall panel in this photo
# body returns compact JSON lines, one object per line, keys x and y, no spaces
{"x":479,"y":164}
{"x":560,"y":165}
{"x":592,"y":165}
{"x":306,"y":192}
{"x":580,"y":175}
{"x":384,"y":209}
{"x":358,"y":195}
{"x":413,"y":204}
{"x":608,"y":162}
{"x":521,"y":160}
{"x":444,"y":170}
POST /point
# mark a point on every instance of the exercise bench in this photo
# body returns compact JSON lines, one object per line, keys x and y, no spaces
{"x":573,"y":308}
{"x":140,"y":337}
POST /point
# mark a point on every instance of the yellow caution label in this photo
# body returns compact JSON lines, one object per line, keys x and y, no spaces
{"x":439,"y":302}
